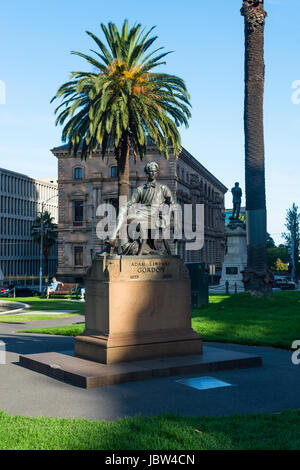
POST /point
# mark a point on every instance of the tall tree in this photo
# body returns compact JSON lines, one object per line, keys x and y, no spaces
{"x":123,"y":103}
{"x":49,"y":235}
{"x":292,"y":237}
{"x":270,"y":241}
{"x":257,"y":278}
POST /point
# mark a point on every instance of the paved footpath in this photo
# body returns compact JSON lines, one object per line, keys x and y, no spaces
{"x":271,"y":388}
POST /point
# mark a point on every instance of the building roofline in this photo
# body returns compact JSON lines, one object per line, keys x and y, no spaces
{"x":202,"y":168}
{"x":16,"y":173}
{"x":60,"y":147}
{"x":6,"y":170}
{"x":184,"y":153}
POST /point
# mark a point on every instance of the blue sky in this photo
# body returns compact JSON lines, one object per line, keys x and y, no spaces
{"x":207,"y":37}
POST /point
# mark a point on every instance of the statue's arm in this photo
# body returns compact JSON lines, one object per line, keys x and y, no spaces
{"x":169,"y":198}
{"x":122,"y":217}
{"x":136,"y":197}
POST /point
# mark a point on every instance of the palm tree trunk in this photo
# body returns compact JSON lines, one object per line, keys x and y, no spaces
{"x":122,"y":157}
{"x":257,"y":278}
{"x":46,"y":257}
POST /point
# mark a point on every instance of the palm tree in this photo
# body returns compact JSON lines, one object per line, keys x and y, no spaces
{"x":49,"y":235}
{"x":122,"y":103}
{"x":257,"y":278}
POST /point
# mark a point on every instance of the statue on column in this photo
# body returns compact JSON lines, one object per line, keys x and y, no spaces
{"x":236,"y":200}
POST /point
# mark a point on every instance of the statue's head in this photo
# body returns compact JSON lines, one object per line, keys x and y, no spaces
{"x":236,"y":184}
{"x":151,"y":169}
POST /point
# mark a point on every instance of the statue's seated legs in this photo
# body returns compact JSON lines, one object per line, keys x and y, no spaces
{"x":142,"y":234}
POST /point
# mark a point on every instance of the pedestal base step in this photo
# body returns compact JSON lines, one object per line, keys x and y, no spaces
{"x":89,"y":374}
{"x":117,"y":348}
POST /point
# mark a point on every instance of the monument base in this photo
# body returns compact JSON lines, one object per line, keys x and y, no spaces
{"x":137,"y":308}
{"x":235,"y":259}
{"x":89,"y":374}
{"x":132,"y":347}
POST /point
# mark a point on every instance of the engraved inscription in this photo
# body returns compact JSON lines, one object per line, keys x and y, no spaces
{"x":143,"y":269}
{"x":150,"y":266}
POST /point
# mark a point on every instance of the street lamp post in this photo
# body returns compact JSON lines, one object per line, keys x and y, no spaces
{"x":293,"y":258}
{"x":42,"y":239}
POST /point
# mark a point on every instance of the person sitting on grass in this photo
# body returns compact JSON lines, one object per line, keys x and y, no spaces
{"x":53,"y":286}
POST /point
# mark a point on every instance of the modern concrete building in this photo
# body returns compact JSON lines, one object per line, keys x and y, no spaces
{"x":21,"y":199}
{"x":83,"y":185}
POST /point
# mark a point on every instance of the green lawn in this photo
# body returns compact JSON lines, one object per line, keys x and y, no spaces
{"x":65,"y":330}
{"x":269,"y":431}
{"x":268,"y":321}
{"x":27,"y":318}
{"x":36,"y":303}
{"x":240,"y":318}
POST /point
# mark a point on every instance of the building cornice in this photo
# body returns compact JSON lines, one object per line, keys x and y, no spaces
{"x":190,"y":160}
{"x":63,"y":151}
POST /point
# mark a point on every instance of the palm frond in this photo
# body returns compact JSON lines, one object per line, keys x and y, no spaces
{"x":125,"y":96}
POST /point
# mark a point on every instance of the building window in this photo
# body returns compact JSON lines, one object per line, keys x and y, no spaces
{"x":114,"y":172}
{"x":78,"y":256}
{"x":78,"y":173}
{"x":78,"y":212}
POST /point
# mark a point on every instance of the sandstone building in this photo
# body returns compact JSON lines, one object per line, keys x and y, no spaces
{"x":83,"y":185}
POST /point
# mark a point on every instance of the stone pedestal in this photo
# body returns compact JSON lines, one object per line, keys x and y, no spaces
{"x":235,"y":259}
{"x":137,"y":308}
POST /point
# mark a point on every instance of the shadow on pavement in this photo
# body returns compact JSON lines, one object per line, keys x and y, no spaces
{"x":31,"y":344}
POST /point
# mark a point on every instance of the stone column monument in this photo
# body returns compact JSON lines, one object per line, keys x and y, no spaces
{"x":138,"y":302}
{"x":235,"y":259}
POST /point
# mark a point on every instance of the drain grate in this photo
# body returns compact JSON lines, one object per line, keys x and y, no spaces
{"x":203,"y":383}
